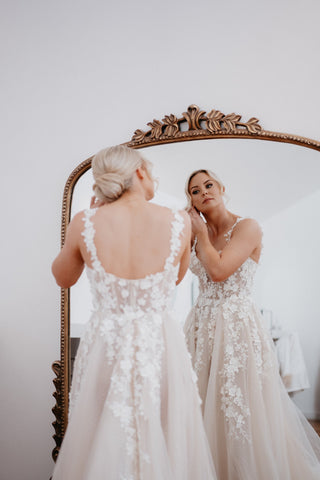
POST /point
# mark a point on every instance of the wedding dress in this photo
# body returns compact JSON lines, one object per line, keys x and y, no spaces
{"x":134,"y":406}
{"x":254,"y":429}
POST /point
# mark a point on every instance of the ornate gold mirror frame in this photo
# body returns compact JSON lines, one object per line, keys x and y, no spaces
{"x":194,"y":124}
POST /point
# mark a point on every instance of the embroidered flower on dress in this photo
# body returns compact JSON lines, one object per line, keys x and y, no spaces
{"x":128,"y":316}
{"x":231,"y":301}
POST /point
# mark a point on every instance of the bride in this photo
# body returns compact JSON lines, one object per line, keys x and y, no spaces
{"x":254,"y":429}
{"x":134,"y":407}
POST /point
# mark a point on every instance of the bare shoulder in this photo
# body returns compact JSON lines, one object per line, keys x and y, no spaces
{"x":77,"y":221}
{"x":187,"y":223}
{"x":186,"y":217}
{"x":186,"y":220}
{"x":76,"y":226}
{"x":165,"y":213}
{"x":249,"y":226}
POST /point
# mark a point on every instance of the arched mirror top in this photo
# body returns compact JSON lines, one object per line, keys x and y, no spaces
{"x":193,"y":124}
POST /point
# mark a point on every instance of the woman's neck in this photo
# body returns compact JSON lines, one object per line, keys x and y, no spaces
{"x":219,"y":220}
{"x":132,"y":196}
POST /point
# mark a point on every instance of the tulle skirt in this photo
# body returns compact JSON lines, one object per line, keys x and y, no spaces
{"x":169,"y":444}
{"x":254,"y":429}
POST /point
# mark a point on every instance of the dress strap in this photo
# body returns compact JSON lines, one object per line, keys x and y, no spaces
{"x":177,"y":225}
{"x":193,"y":248}
{"x":88,"y":235}
{"x":229,"y":232}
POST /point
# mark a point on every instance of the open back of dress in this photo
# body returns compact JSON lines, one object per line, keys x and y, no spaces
{"x":134,"y":406}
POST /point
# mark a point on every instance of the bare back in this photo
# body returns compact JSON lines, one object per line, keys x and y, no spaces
{"x":132,"y":239}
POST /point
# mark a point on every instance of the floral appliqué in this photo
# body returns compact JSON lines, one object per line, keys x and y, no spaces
{"x":127,"y":315}
{"x":231,"y":299}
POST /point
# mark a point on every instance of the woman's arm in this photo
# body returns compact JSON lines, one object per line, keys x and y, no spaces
{"x":186,"y":245}
{"x":69,"y":264}
{"x":246,"y":237}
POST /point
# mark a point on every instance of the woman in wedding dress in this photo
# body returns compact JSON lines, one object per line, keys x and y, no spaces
{"x":254,"y":430}
{"x":134,"y":406}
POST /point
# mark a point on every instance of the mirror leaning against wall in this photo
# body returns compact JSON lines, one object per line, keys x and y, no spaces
{"x":270,"y":176}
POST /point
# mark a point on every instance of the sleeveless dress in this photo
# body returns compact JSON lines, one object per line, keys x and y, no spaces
{"x":134,"y":405}
{"x":254,"y":430}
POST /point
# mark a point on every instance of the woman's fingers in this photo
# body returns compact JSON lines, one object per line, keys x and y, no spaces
{"x":93,"y":202}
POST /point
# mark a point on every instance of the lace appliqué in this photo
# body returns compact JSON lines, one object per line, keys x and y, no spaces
{"x":231,"y":300}
{"x":235,"y":360}
{"x":127,"y":315}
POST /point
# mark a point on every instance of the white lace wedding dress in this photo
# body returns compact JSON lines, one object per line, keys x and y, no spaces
{"x":134,"y":406}
{"x":254,"y":429}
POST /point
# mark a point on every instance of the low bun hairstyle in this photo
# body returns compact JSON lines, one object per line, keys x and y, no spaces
{"x":113,"y":170}
{"x":211,"y":174}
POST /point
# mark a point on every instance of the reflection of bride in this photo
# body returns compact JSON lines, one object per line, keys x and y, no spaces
{"x":135,"y":410}
{"x":254,"y":429}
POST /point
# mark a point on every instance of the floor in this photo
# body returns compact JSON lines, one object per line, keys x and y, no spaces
{"x":316,"y":425}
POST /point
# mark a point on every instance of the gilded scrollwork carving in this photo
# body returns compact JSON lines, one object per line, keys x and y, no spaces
{"x":253,"y":125}
{"x":171,"y":125}
{"x":214,"y":119}
{"x":199,"y":123}
{"x":194,"y":116}
{"x":58,"y":410}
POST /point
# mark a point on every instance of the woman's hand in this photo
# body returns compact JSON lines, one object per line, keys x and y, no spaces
{"x":95,"y":202}
{"x":197,"y":224}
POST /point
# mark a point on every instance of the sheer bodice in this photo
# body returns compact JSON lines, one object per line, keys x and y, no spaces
{"x":118,"y":296}
{"x":237,"y":287}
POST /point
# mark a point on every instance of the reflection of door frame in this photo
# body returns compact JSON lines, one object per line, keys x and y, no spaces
{"x":194,"y":124}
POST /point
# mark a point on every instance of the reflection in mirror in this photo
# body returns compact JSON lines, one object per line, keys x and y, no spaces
{"x":279,"y":185}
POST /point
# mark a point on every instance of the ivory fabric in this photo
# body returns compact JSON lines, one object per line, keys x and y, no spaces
{"x":254,"y":429}
{"x":134,"y":405}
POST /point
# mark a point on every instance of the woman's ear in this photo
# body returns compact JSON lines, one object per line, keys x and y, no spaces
{"x":140,"y":173}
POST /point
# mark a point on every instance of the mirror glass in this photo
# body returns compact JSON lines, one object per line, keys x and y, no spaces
{"x":279,"y":185}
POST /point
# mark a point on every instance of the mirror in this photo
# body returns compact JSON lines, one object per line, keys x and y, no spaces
{"x":278,"y":183}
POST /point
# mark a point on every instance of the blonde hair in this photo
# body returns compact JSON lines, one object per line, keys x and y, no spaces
{"x":193,"y":174}
{"x":113,"y":169}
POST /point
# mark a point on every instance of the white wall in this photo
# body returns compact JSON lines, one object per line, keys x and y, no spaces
{"x":77,"y":76}
{"x":288,"y":285}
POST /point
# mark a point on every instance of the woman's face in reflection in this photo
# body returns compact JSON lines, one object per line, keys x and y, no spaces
{"x":205,"y":192}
